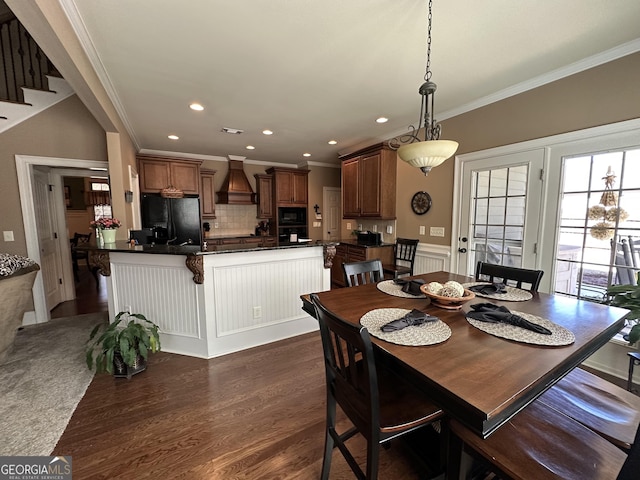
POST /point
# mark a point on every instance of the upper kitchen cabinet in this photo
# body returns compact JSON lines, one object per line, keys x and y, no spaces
{"x":207,"y":193}
{"x":289,"y":186}
{"x":158,"y":173}
{"x":264,"y":190}
{"x":369,"y":183}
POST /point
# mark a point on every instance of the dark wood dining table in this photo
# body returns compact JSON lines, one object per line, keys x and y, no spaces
{"x":480,"y":379}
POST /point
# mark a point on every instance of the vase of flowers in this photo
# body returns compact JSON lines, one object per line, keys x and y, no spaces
{"x":106,"y":228}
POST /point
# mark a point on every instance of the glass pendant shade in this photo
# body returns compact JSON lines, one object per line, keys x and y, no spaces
{"x":428,"y":154}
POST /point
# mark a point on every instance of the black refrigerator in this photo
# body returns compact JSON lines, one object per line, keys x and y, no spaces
{"x":175,"y":221}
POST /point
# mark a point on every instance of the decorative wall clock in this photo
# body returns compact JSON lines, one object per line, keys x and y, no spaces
{"x":421,"y":203}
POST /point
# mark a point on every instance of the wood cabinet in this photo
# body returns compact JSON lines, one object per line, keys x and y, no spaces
{"x":289,"y":186}
{"x":369,"y":183}
{"x":157,"y":173}
{"x":264,"y":191}
{"x":347,"y":253}
{"x":207,"y":193}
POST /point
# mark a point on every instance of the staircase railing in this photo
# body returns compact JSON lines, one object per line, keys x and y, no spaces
{"x":22,"y":62}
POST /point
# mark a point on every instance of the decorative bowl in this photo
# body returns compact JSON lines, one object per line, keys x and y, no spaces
{"x":448,"y":303}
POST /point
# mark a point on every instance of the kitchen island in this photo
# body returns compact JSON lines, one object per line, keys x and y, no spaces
{"x":215,"y":299}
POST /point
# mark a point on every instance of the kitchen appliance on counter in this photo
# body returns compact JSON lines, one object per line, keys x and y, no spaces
{"x":369,"y":238}
{"x":175,"y":221}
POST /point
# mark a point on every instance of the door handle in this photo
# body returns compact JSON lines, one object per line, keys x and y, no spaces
{"x":462,"y":250}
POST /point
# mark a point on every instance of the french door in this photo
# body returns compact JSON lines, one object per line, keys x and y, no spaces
{"x":500,"y":209}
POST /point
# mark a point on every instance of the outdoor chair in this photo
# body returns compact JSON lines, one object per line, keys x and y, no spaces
{"x":380,"y":405}
{"x":512,"y":276}
{"x":361,"y":273}
{"x":624,"y":262}
{"x":404,"y":253}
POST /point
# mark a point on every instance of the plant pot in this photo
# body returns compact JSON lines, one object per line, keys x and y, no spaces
{"x":122,"y":370}
{"x":109,"y":235}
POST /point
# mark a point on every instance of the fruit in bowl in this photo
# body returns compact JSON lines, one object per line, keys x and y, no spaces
{"x":450,"y":296}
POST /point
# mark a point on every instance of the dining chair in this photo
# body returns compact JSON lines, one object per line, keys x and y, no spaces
{"x":404,"y":253}
{"x":78,"y":239}
{"x":605,"y":408}
{"x":543,"y":444}
{"x":380,"y":405}
{"x":509,"y":275}
{"x":361,"y":273}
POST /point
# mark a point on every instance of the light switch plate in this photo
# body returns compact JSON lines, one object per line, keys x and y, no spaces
{"x":436,"y":231}
{"x":8,"y":236}
{"x":389,"y":229}
{"x":422,"y":230}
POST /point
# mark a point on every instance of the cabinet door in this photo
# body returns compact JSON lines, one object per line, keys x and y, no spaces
{"x":351,"y":188}
{"x":299,"y":181}
{"x":208,"y":195}
{"x":185,"y":177}
{"x":337,"y":275}
{"x":264,"y":186}
{"x":154,"y":175}
{"x":283,"y":188}
{"x":370,"y":175}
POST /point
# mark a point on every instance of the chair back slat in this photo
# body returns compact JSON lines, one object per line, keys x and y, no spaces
{"x":361,"y":273}
{"x":516,"y":277}
{"x":350,"y":368}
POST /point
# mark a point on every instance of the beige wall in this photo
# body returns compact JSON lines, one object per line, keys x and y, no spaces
{"x":66,"y":130}
{"x":605,"y":94}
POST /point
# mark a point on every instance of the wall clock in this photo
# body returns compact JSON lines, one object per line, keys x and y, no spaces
{"x":421,"y":203}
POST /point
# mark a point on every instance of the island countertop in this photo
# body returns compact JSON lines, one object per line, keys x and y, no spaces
{"x":126,"y":247}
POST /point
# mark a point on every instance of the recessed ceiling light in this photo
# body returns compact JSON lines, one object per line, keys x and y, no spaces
{"x":267,"y":132}
{"x":196,"y":106}
{"x":306,"y":154}
{"x":173,"y":137}
{"x":250,"y":147}
{"x":332,"y":142}
{"x":382,"y":120}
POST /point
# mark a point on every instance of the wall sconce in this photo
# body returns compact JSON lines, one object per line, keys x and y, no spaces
{"x":128,"y":196}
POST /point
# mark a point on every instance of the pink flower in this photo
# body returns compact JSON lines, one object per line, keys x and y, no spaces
{"x":104,"y":223}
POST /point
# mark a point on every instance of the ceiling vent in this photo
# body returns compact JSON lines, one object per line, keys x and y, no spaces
{"x":236,"y":189}
{"x":233,"y":131}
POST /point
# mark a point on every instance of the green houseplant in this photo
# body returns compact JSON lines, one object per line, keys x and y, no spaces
{"x":122,"y":347}
{"x":628,"y":296}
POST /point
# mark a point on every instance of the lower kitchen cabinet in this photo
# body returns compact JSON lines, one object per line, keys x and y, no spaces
{"x":350,"y":252}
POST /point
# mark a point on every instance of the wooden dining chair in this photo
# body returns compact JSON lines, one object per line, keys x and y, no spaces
{"x":404,"y":253}
{"x":543,"y":444}
{"x":608,"y":410}
{"x":516,"y":277}
{"x":77,"y":240}
{"x":380,"y":404}
{"x":361,"y":273}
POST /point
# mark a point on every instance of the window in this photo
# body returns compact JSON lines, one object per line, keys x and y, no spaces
{"x":99,"y":197}
{"x":599,"y":228}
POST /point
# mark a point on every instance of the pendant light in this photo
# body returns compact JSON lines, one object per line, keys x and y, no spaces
{"x":431,"y":151}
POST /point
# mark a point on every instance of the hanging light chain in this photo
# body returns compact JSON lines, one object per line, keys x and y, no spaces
{"x":427,"y":75}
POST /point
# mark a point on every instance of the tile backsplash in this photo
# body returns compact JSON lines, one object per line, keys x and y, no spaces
{"x":377,"y":226}
{"x":234,"y":220}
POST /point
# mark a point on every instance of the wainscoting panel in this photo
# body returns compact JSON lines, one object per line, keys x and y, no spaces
{"x":432,"y":258}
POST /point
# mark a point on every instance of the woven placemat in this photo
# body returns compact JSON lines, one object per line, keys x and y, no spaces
{"x":428,"y":333}
{"x":560,"y":336}
{"x":513,"y":294}
{"x":391,"y":288}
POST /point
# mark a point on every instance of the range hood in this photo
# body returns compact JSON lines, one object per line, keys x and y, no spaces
{"x":236,"y":189}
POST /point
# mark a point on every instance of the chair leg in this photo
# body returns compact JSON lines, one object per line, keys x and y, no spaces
{"x":373,"y":459}
{"x":328,"y":439}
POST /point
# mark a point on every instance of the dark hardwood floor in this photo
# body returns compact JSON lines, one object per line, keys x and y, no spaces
{"x":89,"y":299}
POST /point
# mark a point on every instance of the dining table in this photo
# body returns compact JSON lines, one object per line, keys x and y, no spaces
{"x":481,"y":379}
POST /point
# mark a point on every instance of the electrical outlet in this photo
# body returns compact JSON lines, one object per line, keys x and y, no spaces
{"x":348,"y":225}
{"x":127,"y":308}
{"x":360,"y":226}
{"x":257,"y":312}
{"x":389,"y":229}
{"x":215,"y":225}
{"x":436,"y":231}
{"x":375,"y":228}
{"x":8,"y":236}
{"x":422,"y":230}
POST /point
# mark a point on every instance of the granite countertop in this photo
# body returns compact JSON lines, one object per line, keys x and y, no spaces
{"x":126,"y":247}
{"x":353,"y":241}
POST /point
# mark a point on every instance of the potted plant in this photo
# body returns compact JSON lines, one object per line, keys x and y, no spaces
{"x":120,"y":349}
{"x":106,"y":228}
{"x":628,"y":296}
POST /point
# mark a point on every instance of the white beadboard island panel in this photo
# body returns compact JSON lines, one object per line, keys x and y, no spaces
{"x":247,"y":299}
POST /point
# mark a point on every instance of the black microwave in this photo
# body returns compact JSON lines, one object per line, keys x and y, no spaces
{"x":292,"y":216}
